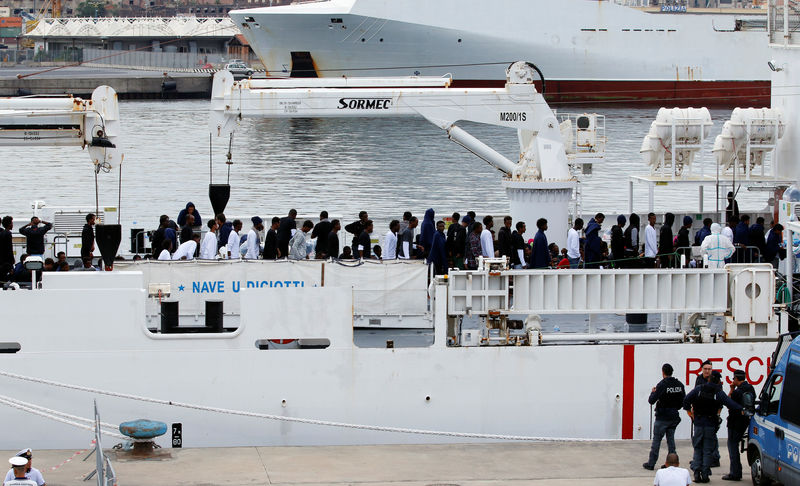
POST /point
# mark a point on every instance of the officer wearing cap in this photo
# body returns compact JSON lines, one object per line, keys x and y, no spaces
{"x":17,"y":473}
{"x":668,"y":398}
{"x":30,"y":472}
{"x":744,"y":394}
{"x":703,"y":404}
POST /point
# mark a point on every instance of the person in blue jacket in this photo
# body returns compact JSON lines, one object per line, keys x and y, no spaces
{"x":593,"y":247}
{"x":540,"y":256}
{"x":426,"y":230}
{"x":741,"y":238}
{"x":190,"y":209}
{"x":438,"y":255}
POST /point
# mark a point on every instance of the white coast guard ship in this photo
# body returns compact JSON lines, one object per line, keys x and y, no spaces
{"x":266,"y":353}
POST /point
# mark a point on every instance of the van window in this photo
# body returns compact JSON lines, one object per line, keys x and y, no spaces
{"x":790,"y":402}
{"x":771,"y":397}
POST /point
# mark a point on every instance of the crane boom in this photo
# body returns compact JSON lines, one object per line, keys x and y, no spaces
{"x":538,"y":185}
{"x":518,"y":105}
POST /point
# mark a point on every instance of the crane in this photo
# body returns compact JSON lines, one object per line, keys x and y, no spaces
{"x":538,"y":184}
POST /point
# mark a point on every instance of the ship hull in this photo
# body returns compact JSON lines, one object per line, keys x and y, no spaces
{"x":97,"y":335}
{"x":588,"y":50}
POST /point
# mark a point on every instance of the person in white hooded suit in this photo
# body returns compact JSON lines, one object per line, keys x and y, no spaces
{"x":717,"y":247}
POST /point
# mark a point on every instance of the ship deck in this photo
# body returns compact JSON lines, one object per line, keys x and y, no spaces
{"x":540,"y":464}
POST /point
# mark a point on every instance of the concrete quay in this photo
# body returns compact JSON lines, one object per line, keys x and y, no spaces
{"x":128,"y":83}
{"x":616,"y":463}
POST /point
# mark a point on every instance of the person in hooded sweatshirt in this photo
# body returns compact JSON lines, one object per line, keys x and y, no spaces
{"x":540,"y":256}
{"x":225,"y":228}
{"x":757,"y":238}
{"x":427,"y":230}
{"x":773,"y":246}
{"x":683,"y":242}
{"x":631,"y":239}
{"x":703,"y":232}
{"x":741,"y":238}
{"x":593,"y":247}
{"x":437,"y":256}
{"x":618,"y":242}
{"x":190,"y":209}
{"x":717,"y":247}
{"x":665,"y":244}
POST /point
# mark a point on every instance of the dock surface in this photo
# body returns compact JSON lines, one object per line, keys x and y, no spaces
{"x":538,"y":464}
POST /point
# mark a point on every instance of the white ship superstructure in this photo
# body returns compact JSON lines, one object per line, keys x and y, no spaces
{"x":586,"y":49}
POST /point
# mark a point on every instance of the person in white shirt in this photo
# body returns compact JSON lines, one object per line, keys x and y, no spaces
{"x":22,"y":467}
{"x":487,"y":240}
{"x":650,"y":242}
{"x":298,"y":245}
{"x":166,"y":247}
{"x":673,"y":474}
{"x":574,"y":244}
{"x":208,"y":249}
{"x":253,"y":240}
{"x":187,"y":249}
{"x":234,"y":241}
{"x":390,"y":241}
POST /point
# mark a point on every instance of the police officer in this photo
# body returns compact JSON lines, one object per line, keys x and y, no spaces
{"x":703,"y":404}
{"x":668,"y":397}
{"x":744,"y":394}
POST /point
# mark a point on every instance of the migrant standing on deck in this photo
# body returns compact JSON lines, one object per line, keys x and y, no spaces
{"x":87,"y":237}
{"x":35,"y":235}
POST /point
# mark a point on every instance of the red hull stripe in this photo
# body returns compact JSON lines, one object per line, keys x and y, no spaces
{"x":661,"y":93}
{"x":627,"y":391}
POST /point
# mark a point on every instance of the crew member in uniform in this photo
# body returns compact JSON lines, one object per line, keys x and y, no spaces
{"x":703,"y":404}
{"x":668,"y":397}
{"x":29,"y":472}
{"x":744,"y":394}
{"x":17,"y":473}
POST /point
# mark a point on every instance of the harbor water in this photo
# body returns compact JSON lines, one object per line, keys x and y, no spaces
{"x":384,"y":166}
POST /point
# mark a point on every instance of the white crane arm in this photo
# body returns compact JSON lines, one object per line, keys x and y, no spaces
{"x":517,"y":105}
{"x":64,"y":121}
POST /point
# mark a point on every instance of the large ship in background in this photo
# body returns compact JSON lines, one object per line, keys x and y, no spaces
{"x":587,"y":50}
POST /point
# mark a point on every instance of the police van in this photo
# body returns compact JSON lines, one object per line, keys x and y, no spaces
{"x":773,"y":446}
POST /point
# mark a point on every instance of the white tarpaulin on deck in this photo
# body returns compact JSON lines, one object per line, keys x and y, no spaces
{"x":396,"y":288}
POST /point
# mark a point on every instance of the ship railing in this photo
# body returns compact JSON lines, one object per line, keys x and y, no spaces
{"x":784,"y":22}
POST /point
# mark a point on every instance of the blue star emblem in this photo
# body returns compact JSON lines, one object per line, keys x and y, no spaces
{"x":181,"y":287}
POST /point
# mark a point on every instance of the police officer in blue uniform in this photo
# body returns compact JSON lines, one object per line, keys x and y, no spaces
{"x":703,"y":404}
{"x":668,"y":398}
{"x":744,"y":394}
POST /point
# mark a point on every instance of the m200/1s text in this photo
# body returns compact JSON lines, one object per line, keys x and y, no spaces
{"x":511,"y":116}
